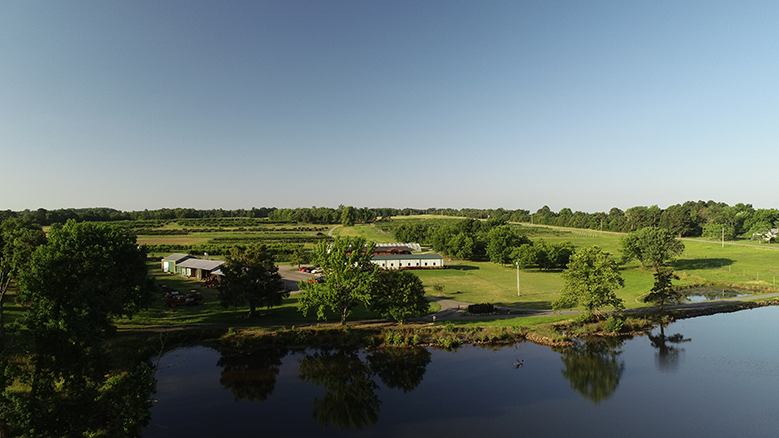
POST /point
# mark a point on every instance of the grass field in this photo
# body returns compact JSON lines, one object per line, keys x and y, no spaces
{"x":369,"y":232}
{"x":742,"y":263}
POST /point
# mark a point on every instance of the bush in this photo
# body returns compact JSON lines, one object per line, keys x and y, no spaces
{"x":481,"y":309}
{"x":613,"y":325}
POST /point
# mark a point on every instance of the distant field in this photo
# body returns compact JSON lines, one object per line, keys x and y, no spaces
{"x":702,"y":262}
{"x":369,"y":232}
{"x":746,"y":264}
{"x":224,"y":231}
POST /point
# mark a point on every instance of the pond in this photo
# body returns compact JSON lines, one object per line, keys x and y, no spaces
{"x":709,"y":376}
{"x":701,"y":294}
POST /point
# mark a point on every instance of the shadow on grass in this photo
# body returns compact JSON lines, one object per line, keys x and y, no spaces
{"x":534,"y":305}
{"x":691,"y":264}
{"x":461,"y":268}
{"x":212,"y":313}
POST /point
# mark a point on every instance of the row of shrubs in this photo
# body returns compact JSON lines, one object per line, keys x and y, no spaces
{"x":282,"y":251}
{"x":228,"y":222}
{"x":184,"y":231}
{"x":447,"y":337}
{"x":263,"y":239}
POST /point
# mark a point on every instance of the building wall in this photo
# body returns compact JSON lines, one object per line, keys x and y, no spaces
{"x":415,"y":263}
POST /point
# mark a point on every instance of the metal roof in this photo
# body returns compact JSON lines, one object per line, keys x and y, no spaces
{"x":408,"y":246}
{"x":407,"y":257}
{"x":176,"y":257}
{"x":208,"y":265}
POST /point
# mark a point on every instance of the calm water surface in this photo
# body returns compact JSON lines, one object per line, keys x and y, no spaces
{"x":713,"y":376}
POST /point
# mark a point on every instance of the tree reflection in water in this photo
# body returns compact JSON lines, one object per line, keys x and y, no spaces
{"x":593,"y":367}
{"x":667,"y":356}
{"x":251,"y":375}
{"x":400,"y":368}
{"x":351,"y":401}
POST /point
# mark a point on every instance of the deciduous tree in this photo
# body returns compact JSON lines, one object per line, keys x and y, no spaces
{"x":349,"y":274}
{"x":651,"y":246}
{"x":398,"y":294}
{"x":300,"y":256}
{"x":348,"y":216}
{"x":501,"y":242}
{"x":591,"y":281}
{"x":251,"y":277}
{"x":663,"y":292}
{"x":17,"y":243}
{"x":83,"y":277}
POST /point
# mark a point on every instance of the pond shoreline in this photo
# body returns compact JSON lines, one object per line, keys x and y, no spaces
{"x":375,"y":333}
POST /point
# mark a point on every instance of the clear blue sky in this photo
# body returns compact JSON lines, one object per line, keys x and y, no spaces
{"x":581,"y":104}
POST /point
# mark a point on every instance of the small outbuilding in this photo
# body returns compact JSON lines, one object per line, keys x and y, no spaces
{"x":198,"y":268}
{"x":169,"y":262}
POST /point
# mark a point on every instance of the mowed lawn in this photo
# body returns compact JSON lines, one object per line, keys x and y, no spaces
{"x":366,"y":231}
{"x":485,"y":282}
{"x":747,"y":263}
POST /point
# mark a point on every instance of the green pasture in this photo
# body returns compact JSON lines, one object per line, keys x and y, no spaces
{"x":367,"y":231}
{"x":743,"y":263}
{"x":272,"y":235}
{"x":485,"y":282}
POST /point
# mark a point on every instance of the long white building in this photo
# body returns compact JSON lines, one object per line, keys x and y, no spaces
{"x":409,"y":261}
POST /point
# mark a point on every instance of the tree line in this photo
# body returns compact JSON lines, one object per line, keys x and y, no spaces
{"x":690,"y":219}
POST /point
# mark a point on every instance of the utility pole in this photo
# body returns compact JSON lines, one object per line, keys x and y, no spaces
{"x":517,"y":277}
{"x":723,"y":237}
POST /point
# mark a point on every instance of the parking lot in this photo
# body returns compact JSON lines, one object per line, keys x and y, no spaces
{"x":291,"y":276}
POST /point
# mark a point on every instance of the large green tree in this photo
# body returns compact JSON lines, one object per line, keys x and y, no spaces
{"x":349,"y":277}
{"x":87,"y":274}
{"x":18,"y":240}
{"x":501,"y":241}
{"x":348,"y":216}
{"x":250,"y":276}
{"x":591,"y":280}
{"x":651,"y":246}
{"x":83,"y":277}
{"x":399,"y":295}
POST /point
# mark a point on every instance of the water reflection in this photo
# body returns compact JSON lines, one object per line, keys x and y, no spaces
{"x":400,"y":368}
{"x":350,"y":401}
{"x":251,"y":375}
{"x":701,"y":294}
{"x":667,"y":356}
{"x":350,"y":379}
{"x":594,"y":367}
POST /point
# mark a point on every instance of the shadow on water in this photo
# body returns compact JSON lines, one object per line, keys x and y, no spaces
{"x":593,"y":367}
{"x":692,"y":264}
{"x":349,"y":379}
{"x":667,"y":355}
